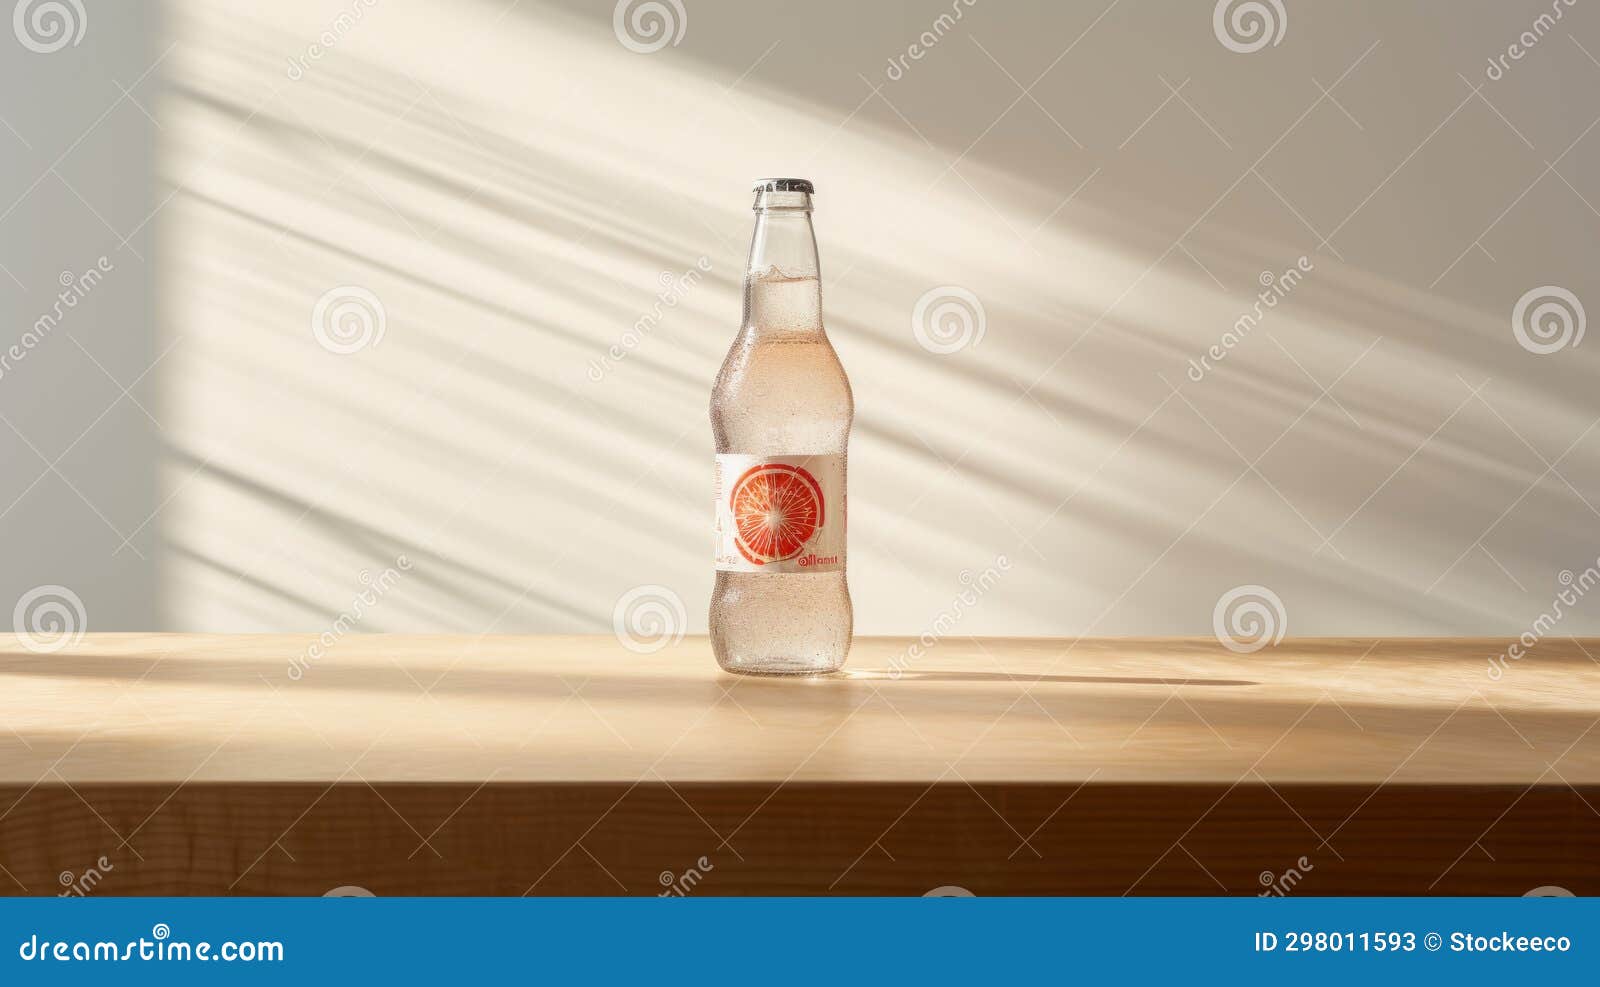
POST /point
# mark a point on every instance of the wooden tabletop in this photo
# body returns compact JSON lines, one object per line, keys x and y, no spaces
{"x":205,"y":764}
{"x":163,"y":707}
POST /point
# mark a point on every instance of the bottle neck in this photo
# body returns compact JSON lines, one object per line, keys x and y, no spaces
{"x":782,"y":282}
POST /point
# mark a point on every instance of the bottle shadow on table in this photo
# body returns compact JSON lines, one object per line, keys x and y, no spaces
{"x":895,"y":675}
{"x":468,"y":679}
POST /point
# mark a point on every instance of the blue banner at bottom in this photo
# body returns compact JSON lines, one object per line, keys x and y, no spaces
{"x":795,"y":940}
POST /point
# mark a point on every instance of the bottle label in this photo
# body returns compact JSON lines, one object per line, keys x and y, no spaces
{"x":780,"y":513}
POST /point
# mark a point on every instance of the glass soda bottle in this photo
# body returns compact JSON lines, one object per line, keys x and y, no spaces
{"x":780,"y":413}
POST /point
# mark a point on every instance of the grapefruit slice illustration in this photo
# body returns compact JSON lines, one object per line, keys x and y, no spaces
{"x":776,"y":510}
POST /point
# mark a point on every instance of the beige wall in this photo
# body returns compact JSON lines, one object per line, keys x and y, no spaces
{"x":516,"y":188}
